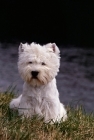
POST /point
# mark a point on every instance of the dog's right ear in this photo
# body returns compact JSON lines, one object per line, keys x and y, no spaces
{"x":21,"y":48}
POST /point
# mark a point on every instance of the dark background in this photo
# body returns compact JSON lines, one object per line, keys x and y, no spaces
{"x":67,"y":22}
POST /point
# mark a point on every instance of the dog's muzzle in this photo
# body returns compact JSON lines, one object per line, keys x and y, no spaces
{"x":34,"y":74}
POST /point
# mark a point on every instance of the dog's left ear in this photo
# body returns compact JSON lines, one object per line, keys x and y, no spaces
{"x":52,"y":47}
{"x":55,"y":48}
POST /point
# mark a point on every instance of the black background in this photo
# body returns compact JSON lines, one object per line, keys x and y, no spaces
{"x":66,"y":22}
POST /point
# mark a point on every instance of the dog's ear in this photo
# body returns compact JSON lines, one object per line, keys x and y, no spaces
{"x":55,"y":48}
{"x":21,"y":47}
{"x":52,"y":47}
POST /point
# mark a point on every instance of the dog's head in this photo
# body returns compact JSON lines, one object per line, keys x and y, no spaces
{"x":38,"y":64}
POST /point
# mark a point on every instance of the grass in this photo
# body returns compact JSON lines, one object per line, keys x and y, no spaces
{"x":79,"y":126}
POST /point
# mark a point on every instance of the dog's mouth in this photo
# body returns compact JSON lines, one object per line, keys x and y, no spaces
{"x":35,"y":78}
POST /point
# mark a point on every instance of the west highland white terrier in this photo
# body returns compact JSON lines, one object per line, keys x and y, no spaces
{"x":38,"y":66}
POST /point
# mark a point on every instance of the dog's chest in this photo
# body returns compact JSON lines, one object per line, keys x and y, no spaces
{"x":39,"y":97}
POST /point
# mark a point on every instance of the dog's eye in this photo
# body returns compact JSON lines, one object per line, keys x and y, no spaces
{"x":30,"y":62}
{"x":43,"y":63}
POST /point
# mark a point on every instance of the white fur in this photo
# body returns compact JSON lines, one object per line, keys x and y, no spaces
{"x":40,"y":96}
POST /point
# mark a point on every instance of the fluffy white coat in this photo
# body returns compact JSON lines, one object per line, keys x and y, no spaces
{"x":40,"y":95}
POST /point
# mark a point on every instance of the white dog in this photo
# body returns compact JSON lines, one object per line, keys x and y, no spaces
{"x":38,"y":66}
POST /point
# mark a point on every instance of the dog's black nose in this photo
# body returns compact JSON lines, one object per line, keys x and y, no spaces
{"x":34,"y":74}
